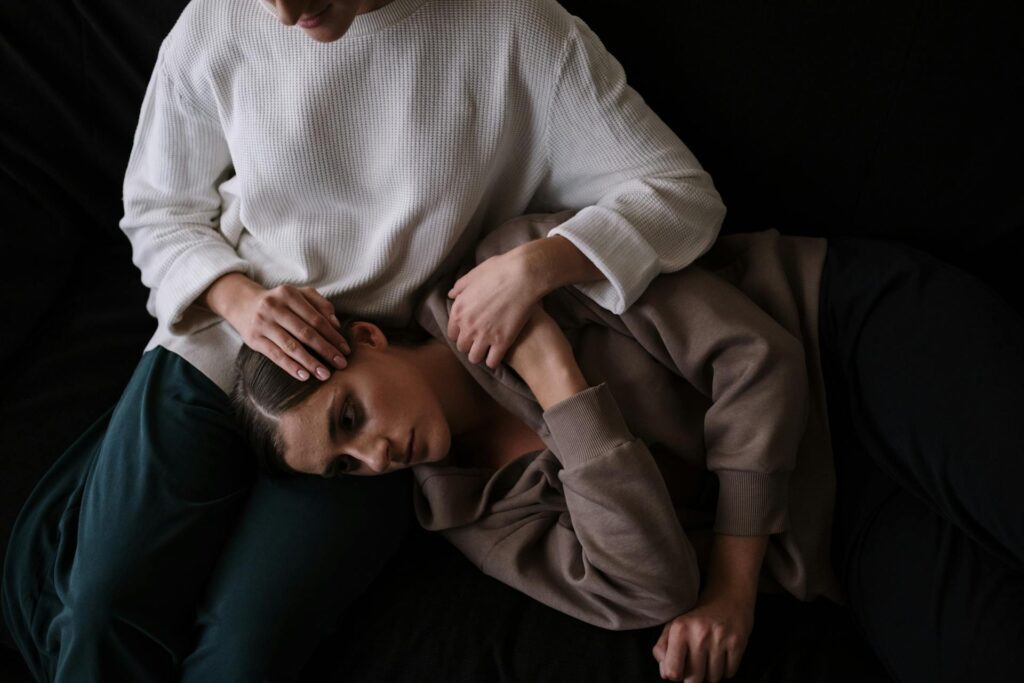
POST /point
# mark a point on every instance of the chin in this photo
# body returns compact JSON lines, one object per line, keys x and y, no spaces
{"x":325,"y":34}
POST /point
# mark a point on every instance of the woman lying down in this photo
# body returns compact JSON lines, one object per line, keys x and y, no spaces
{"x":584,"y":471}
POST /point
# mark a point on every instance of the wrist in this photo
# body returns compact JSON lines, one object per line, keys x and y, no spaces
{"x":228,"y":292}
{"x":555,"y":262}
{"x":555,"y":384}
{"x":734,"y":570}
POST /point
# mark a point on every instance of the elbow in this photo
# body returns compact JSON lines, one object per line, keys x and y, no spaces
{"x":656,"y":607}
{"x":657,"y":598}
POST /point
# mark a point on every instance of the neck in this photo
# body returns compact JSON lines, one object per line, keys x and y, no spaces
{"x":466,"y":405}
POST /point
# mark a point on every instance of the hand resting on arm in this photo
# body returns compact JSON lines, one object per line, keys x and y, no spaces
{"x":494,"y":299}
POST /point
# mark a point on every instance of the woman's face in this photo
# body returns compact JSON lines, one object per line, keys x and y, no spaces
{"x":323,"y":20}
{"x":376,"y":416}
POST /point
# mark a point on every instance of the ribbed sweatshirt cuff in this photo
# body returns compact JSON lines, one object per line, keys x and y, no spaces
{"x":752,"y":503}
{"x":586,"y":426}
{"x":621,"y":254}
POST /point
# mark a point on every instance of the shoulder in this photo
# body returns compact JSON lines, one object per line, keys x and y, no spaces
{"x":539,"y":28}
{"x":204,"y":23}
{"x":207,"y":29}
{"x":206,"y":39}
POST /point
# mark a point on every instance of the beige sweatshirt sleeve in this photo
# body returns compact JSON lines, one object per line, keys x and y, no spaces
{"x":619,"y":559}
{"x":753,"y":371}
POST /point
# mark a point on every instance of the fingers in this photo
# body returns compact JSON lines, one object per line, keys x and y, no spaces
{"x":288,"y":318}
{"x":495,"y":355}
{"x":675,"y":659}
{"x":294,"y":350}
{"x":478,"y":351}
{"x":670,"y":651}
{"x":697,"y":660}
{"x":457,"y":288}
{"x":315,"y":330}
{"x":272,"y":351}
{"x":660,"y":646}
{"x":716,"y":663}
{"x":321,"y":304}
{"x":733,"y":656}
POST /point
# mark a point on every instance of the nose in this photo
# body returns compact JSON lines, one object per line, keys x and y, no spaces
{"x":375,"y":453}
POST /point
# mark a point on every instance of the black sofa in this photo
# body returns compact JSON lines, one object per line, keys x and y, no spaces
{"x":899,"y":119}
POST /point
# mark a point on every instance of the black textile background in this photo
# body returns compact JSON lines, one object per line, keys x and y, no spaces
{"x":885,"y":118}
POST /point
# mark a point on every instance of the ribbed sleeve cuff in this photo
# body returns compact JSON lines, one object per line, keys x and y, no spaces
{"x":190,"y":275}
{"x":613,"y":245}
{"x":586,"y":426}
{"x":752,"y":503}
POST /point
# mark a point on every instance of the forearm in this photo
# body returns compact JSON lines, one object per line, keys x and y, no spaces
{"x":555,"y":262}
{"x":734,"y":567}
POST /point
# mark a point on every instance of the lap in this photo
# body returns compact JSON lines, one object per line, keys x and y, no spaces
{"x":303,"y":549}
{"x":113,"y":553}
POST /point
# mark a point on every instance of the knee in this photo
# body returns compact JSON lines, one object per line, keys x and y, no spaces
{"x":225,"y":653}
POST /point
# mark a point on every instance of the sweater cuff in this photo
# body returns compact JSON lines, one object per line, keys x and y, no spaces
{"x":189,"y":276}
{"x":619,"y":252}
{"x":752,"y":503}
{"x":586,"y":426}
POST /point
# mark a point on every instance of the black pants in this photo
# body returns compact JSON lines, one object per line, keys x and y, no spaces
{"x":147,"y":552}
{"x":924,"y":372}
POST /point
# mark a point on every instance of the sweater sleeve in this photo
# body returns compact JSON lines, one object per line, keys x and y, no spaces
{"x":171,"y":201}
{"x":647,"y":205}
{"x":753,"y":371}
{"x":620,"y":560}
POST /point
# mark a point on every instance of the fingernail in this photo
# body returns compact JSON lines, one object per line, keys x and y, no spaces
{"x":334,"y":319}
{"x":322,"y":373}
{"x":339,"y":361}
{"x":303,"y":375}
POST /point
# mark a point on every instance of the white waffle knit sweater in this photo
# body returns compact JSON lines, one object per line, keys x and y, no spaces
{"x":368,"y":166}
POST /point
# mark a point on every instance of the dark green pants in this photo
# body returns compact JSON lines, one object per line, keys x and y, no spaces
{"x":152,"y":551}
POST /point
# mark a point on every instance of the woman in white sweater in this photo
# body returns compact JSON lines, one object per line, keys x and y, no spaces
{"x":290,"y":157}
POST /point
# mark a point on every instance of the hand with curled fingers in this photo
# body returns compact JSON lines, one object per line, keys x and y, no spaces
{"x":278,"y":323}
{"x":492,"y":304}
{"x":706,"y":643}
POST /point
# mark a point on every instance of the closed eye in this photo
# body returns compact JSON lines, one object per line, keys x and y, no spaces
{"x":349,"y":419}
{"x":342,"y":464}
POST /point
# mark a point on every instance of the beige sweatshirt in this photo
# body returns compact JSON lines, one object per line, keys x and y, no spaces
{"x":706,"y":412}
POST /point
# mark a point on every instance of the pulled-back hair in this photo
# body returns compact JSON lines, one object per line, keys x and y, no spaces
{"x":264,"y":391}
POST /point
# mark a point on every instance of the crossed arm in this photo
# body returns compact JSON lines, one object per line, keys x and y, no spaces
{"x":706,"y":642}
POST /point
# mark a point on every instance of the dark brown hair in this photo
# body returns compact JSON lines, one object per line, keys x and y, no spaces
{"x":264,"y":391}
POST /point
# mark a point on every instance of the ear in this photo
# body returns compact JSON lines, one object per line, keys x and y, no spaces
{"x":368,"y":334}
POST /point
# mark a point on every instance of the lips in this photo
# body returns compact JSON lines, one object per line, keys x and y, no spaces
{"x":314,"y":20}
